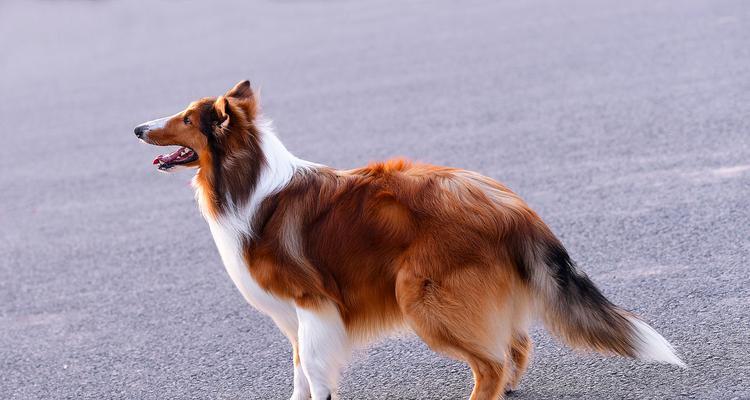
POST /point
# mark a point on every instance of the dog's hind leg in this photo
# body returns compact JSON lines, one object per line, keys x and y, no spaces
{"x":324,"y":348}
{"x":520,"y":351}
{"x":489,"y":378}
{"x":462,"y":317}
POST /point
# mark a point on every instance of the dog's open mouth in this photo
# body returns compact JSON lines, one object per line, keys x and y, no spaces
{"x":183,"y":155}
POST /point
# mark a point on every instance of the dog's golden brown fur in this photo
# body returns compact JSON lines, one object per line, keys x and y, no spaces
{"x":395,"y":243}
{"x":454,"y":256}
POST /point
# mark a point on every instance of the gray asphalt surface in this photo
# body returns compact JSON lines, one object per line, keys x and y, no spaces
{"x":626,"y":124}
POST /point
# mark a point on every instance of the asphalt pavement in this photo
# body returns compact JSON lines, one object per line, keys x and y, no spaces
{"x":625,"y":124}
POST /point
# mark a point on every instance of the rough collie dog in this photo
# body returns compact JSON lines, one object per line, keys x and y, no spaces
{"x":337,"y":258}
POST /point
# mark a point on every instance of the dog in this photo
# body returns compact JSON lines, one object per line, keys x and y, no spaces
{"x":338,"y":258}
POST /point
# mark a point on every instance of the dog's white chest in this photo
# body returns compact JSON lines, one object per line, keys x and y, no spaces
{"x":228,"y":241}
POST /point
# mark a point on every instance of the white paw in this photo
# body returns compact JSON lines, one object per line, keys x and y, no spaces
{"x":299,"y":395}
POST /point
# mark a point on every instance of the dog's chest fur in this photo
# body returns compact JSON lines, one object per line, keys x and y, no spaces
{"x":229,"y":243}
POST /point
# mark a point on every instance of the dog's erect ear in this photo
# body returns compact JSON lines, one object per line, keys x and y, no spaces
{"x":223,"y":111}
{"x":241,"y":90}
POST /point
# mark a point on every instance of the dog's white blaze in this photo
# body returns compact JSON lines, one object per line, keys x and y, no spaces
{"x":324,"y":347}
{"x":651,"y":346}
{"x":157,"y":123}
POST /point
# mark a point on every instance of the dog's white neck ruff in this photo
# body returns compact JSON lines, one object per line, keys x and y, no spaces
{"x":275,"y":174}
{"x":233,"y":224}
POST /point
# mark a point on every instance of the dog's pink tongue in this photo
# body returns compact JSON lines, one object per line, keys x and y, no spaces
{"x":167,"y":158}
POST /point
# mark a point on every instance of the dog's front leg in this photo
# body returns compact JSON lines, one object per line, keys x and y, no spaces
{"x":288,"y":324}
{"x":301,"y":384}
{"x":323,"y":348}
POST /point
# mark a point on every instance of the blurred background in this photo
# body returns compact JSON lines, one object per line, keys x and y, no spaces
{"x":624,"y":123}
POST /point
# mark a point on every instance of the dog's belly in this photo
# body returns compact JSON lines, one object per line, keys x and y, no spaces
{"x":283,"y":312}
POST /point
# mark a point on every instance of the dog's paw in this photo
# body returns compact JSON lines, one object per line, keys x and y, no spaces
{"x":300,"y":396}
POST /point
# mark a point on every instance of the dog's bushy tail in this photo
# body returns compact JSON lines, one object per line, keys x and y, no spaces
{"x":576,"y":311}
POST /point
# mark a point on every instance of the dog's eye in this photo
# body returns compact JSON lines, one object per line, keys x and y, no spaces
{"x":186,"y":120}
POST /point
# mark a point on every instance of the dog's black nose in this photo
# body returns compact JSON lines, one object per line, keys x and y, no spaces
{"x":140,"y":130}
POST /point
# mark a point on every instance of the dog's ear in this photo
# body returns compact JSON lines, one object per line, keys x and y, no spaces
{"x":222,"y":111}
{"x":241,"y":91}
{"x":244,"y":99}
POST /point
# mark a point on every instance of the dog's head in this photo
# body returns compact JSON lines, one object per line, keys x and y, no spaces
{"x":203,"y":127}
